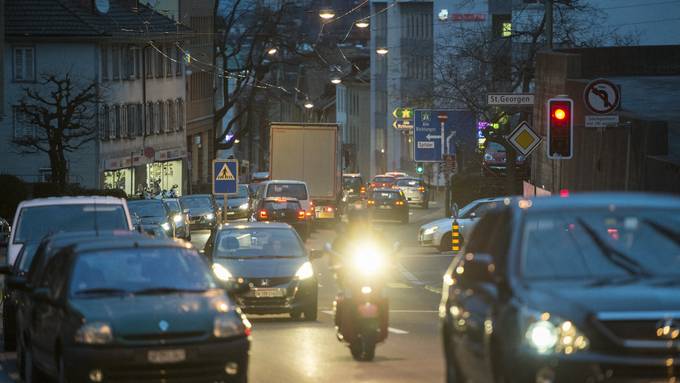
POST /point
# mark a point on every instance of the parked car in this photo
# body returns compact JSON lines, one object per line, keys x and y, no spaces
{"x":180,"y":217}
{"x":238,"y":205}
{"x":415,"y":191}
{"x":388,"y":204}
{"x":287,"y":210}
{"x":9,"y":293}
{"x":438,"y":232}
{"x":576,"y":289}
{"x":37,"y":217}
{"x":153,"y":212}
{"x":382,"y":181}
{"x":204,"y":213}
{"x":110,"y":310}
{"x":272,"y":261}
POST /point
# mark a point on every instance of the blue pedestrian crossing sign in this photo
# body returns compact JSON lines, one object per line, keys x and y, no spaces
{"x":225,"y":177}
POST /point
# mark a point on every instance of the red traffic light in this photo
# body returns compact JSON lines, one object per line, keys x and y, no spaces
{"x":560,"y":114}
{"x":560,"y":128}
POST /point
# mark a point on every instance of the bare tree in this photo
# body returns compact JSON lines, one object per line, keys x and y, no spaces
{"x":63,"y":114}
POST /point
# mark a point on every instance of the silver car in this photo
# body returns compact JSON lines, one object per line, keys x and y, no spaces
{"x":415,"y":191}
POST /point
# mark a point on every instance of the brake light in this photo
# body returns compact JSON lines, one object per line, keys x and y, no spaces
{"x":329,"y":209}
{"x":311,"y":203}
{"x":370,"y":202}
{"x":301,"y":214}
{"x":263,"y":214}
{"x":363,"y":189}
{"x":399,"y":203}
{"x":421,"y":189}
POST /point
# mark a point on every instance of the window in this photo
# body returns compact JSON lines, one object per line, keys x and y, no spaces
{"x":112,"y":122}
{"x":150,"y":127}
{"x":118,"y":125}
{"x":180,"y":114}
{"x":105,"y":62}
{"x":123,"y":121}
{"x":156,"y":117}
{"x":115,"y":62}
{"x":24,"y":64}
{"x":507,"y":30}
{"x":138,"y":120}
{"x":172,"y":116}
{"x":131,"y":126}
{"x":162,"y":118}
{"x":104,"y":123}
{"x":148,"y":60}
{"x":128,"y":63}
{"x":22,"y":125}
{"x":138,"y":61}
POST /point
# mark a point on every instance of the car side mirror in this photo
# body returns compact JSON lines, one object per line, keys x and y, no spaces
{"x":6,"y":269}
{"x":316,"y":254}
{"x":476,"y":268}
{"x":41,"y":294}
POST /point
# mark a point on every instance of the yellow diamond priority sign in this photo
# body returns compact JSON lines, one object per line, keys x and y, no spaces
{"x":524,"y":139}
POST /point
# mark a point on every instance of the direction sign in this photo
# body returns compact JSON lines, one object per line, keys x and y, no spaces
{"x":403,"y":124}
{"x":438,"y":132}
{"x":225,"y":177}
{"x":403,"y":113}
{"x":602,"y":96}
{"x":524,"y":139}
{"x":510,"y":99}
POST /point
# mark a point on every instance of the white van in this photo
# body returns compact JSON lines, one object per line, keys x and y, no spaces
{"x":288,"y":189}
{"x":37,"y":218}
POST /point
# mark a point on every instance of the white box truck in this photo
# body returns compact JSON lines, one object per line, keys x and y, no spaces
{"x":309,"y":153}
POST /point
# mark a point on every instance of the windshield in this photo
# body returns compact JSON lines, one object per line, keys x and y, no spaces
{"x":173,"y":206}
{"x":36,"y":222}
{"x":144,"y":209}
{"x":601,"y":244}
{"x":134,"y":270}
{"x":351,"y":183}
{"x":383,"y":179}
{"x":386,"y":196}
{"x":256,"y":242}
{"x":297,"y":191}
{"x":409,"y":182}
{"x":284,"y":205}
{"x":196,"y":202}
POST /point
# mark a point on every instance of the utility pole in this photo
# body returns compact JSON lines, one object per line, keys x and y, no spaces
{"x":549,"y":23}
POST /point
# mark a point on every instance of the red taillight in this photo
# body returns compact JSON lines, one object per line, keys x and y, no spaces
{"x":564,"y":193}
{"x":301,"y":214}
{"x":263,"y":214}
{"x":362,"y":190}
{"x":370,"y":202}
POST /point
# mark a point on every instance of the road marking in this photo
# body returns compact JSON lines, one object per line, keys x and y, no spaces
{"x":398,"y":285}
{"x":328,"y":312}
{"x":408,"y":275}
{"x":434,"y":289}
{"x":397,"y":331}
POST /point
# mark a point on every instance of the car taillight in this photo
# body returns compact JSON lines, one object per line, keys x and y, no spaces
{"x":263,"y":214}
{"x":399,"y":203}
{"x":301,"y":214}
{"x":329,"y":209}
{"x":421,"y":189}
{"x":370,"y":202}
{"x":362,"y":190}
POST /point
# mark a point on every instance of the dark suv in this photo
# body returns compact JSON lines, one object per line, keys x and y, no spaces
{"x":575,"y":289}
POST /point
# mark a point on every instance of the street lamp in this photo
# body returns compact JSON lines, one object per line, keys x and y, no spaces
{"x":308,"y":104}
{"x":272,"y":51}
{"x":336,"y":80}
{"x":363,"y":23}
{"x":326,"y":14}
{"x":382,"y":51}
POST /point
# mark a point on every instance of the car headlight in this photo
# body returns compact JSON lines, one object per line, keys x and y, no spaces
{"x":431,"y":230}
{"x":488,"y":157}
{"x":547,"y":334}
{"x":166,"y":226}
{"x":368,"y":260}
{"x":305,"y":271}
{"x":221,"y":272}
{"x":228,"y":325}
{"x":178,"y":218}
{"x":210,"y":216}
{"x":94,"y":333}
{"x":243,"y":206}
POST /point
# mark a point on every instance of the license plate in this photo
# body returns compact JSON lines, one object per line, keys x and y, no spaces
{"x":368,"y":310}
{"x":326,"y":215}
{"x":385,"y":206}
{"x":166,"y":356}
{"x":267,"y":293}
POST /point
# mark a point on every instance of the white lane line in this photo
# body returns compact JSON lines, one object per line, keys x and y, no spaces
{"x":328,"y":312}
{"x":397,"y":331}
{"x":408,"y":275}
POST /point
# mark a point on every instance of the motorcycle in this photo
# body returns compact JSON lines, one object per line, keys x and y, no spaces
{"x":362,"y":308}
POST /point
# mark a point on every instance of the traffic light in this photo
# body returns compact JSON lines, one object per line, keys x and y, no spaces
{"x":420,"y":169}
{"x":560,"y":128}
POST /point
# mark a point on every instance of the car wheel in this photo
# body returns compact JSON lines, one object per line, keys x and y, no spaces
{"x":311,"y":312}
{"x":363,"y":349}
{"x":445,"y":244}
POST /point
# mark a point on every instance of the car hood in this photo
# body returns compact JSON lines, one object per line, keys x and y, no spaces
{"x":640,"y":296}
{"x":152,"y":220}
{"x":236,"y":202}
{"x":198,"y":211}
{"x":138,"y":315}
{"x":262,"y":267}
{"x":443,"y":222}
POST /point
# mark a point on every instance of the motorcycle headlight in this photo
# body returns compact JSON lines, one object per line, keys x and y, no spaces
{"x":229,"y":325}
{"x":178,"y":218}
{"x":548,"y":334}
{"x":221,"y":272}
{"x":305,"y":271}
{"x":431,"y":230}
{"x":94,"y":333}
{"x":166,"y":226}
{"x":243,"y":206}
{"x":368,"y":260}
{"x":210,"y":216}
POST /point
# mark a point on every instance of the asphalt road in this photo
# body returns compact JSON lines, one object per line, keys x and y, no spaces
{"x":287,"y":351}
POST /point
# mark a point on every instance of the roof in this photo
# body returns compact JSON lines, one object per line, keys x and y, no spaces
{"x":254,"y":225}
{"x":61,"y":18}
{"x":597,"y":200}
{"x":103,"y":200}
{"x":285,"y":182}
{"x":93,"y":241}
{"x":141,"y":201}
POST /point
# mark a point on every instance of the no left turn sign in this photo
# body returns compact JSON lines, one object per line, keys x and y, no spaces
{"x":601,"y":96}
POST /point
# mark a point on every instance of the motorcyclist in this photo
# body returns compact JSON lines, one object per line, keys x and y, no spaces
{"x":358,"y":230}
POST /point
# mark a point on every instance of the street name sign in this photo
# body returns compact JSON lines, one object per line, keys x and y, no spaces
{"x":225,"y":177}
{"x":600,"y":121}
{"x":510,"y":99}
{"x":602,"y":96}
{"x":403,"y":124}
{"x":438,"y":132}
{"x":524,"y":139}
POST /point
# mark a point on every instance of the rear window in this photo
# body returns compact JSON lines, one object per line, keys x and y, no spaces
{"x":173,"y":206}
{"x":386,"y":196}
{"x":297,"y":191}
{"x":145,"y":209}
{"x":352,"y":183}
{"x":285,"y":205}
{"x":410,"y":182}
{"x":383,"y":179}
{"x":38,"y":221}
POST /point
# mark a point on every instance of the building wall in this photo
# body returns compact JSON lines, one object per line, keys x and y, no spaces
{"x":48,"y":59}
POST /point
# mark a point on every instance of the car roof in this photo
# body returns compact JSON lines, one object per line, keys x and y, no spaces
{"x":594,"y":200}
{"x":133,"y":201}
{"x":286,"y":182}
{"x":137,"y":240}
{"x":74,"y":200}
{"x":386,"y":190}
{"x":254,"y":225}
{"x":351,"y":175}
